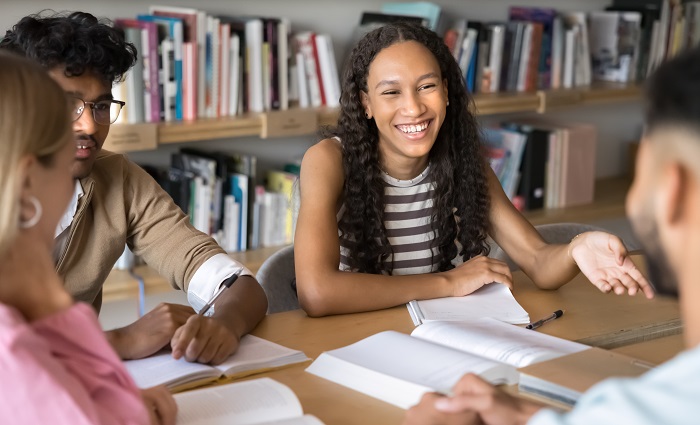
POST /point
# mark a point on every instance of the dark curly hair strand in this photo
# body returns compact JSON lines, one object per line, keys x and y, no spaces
{"x":458,"y":166}
{"x":77,"y":41}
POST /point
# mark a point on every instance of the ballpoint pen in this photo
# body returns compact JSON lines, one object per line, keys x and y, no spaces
{"x":225,"y":284}
{"x":537,"y":324}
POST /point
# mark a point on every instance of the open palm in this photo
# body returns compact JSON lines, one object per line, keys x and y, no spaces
{"x":603,"y":259}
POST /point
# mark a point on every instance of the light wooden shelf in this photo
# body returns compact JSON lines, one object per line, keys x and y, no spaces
{"x":295,"y":121}
{"x":597,"y":93}
{"x":609,"y":202}
{"x":209,"y":129}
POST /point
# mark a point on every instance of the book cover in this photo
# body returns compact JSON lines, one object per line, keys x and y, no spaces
{"x":423,"y":9}
{"x":614,"y":45}
{"x":544,"y":17}
{"x":194,"y":31}
{"x":176,"y":35}
{"x":533,"y":166}
{"x":150,"y":59}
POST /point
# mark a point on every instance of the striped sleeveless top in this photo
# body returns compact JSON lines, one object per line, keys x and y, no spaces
{"x":408,"y":205}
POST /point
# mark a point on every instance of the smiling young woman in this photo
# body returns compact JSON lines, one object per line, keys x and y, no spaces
{"x":398,"y":201}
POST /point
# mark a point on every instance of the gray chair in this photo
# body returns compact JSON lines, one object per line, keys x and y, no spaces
{"x":556,"y":233}
{"x":277,"y":278}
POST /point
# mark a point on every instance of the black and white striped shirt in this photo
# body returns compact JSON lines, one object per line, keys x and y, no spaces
{"x":408,"y":205}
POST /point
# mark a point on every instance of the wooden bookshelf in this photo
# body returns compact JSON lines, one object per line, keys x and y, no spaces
{"x":297,"y":121}
{"x":609,"y":202}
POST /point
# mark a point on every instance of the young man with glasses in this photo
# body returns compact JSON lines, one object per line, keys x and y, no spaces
{"x":117,"y":203}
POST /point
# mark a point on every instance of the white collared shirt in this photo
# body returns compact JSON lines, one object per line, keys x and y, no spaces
{"x":63,"y":227}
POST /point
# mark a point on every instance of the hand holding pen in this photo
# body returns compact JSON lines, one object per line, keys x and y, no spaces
{"x":206,"y":339}
{"x":534,"y":325}
{"x":224,"y":285}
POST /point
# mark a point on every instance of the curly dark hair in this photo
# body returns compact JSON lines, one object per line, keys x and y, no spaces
{"x":460,"y":211}
{"x":78,"y":41}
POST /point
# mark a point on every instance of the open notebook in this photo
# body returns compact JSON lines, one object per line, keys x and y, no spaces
{"x":254,"y":355}
{"x":400,"y":368}
{"x":256,"y":402}
{"x":492,"y":300}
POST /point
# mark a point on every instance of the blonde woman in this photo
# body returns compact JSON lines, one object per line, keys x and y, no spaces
{"x":55,"y":363}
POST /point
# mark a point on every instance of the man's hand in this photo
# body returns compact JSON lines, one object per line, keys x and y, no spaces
{"x":493,"y":406}
{"x":204,"y":340}
{"x":160,"y":405}
{"x":425,"y":413}
{"x":151,"y":332}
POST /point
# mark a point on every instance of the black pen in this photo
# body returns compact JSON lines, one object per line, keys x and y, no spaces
{"x":225,"y":284}
{"x":537,"y":324}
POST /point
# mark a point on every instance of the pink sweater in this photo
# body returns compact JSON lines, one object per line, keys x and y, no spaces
{"x":62,"y":370}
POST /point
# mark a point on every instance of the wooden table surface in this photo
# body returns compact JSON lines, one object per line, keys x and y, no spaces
{"x":604,"y":320}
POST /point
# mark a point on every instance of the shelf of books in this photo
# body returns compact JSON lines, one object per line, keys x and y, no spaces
{"x":287,"y":123}
{"x":209,"y":129}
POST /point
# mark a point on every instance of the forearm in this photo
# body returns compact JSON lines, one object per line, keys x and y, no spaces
{"x":241,"y":307}
{"x":552,"y":267}
{"x":338,"y":292}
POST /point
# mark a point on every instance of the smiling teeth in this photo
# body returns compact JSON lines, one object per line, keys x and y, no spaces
{"x":81,"y":147}
{"x":413,"y":128}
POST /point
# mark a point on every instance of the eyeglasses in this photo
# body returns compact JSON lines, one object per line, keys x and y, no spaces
{"x":105,"y":112}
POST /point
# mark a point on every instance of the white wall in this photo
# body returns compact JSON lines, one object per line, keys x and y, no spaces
{"x":617,"y":123}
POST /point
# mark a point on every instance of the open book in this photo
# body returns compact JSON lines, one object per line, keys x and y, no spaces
{"x":399,"y":368}
{"x":492,"y":300}
{"x":259,"y":401}
{"x":254,"y":355}
{"x":564,"y":379}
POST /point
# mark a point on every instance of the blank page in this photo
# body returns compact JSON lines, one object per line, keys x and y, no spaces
{"x":244,"y":403}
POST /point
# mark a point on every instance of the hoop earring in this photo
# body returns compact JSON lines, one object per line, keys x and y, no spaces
{"x":26,"y":224}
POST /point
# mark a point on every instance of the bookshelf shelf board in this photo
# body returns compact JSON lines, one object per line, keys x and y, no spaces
{"x":486,"y":104}
{"x":209,"y":129}
{"x":611,"y":92}
{"x":609,"y":202}
{"x":597,"y":93}
{"x":505,"y":103}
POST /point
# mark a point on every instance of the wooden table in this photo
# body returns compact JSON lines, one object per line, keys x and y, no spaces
{"x":591,"y":317}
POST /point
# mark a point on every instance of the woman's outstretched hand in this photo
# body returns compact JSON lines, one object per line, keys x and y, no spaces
{"x":603,"y":259}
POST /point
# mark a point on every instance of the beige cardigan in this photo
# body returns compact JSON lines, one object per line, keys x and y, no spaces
{"x":122,"y":204}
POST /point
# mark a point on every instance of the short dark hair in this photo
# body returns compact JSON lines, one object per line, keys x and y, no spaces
{"x":673,"y":93}
{"x":78,"y":41}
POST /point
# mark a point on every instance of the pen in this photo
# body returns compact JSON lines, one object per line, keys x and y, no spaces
{"x":225,"y":284}
{"x":537,"y":324}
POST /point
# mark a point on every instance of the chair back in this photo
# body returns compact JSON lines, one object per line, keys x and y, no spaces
{"x":278,"y":280}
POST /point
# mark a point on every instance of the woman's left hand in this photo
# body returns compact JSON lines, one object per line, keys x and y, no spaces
{"x":603,"y":259}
